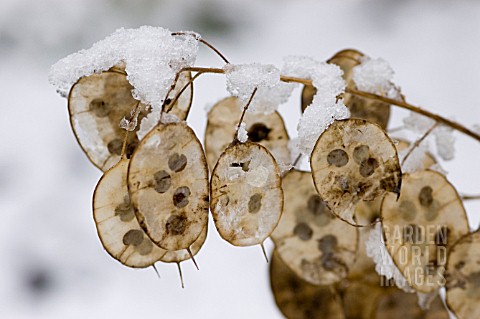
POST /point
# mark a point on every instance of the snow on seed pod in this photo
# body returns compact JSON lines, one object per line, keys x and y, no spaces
{"x":298,"y":299}
{"x":318,"y":247}
{"x":354,"y":160}
{"x":168,"y":185}
{"x":181,"y":108}
{"x":463,"y":279}
{"x":183,"y":254}
{"x":97,"y":103}
{"x":267,"y":130}
{"x":399,"y":304}
{"x":246,"y":194}
{"x":117,"y":227}
{"x":421,"y":225}
{"x":362,"y":108}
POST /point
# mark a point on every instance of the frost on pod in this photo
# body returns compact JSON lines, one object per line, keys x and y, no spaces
{"x":443,"y":135}
{"x":267,"y":130}
{"x":318,"y":247}
{"x":168,"y":185}
{"x":463,"y":283}
{"x":354,"y":160}
{"x":117,"y":227}
{"x":246,"y":194}
{"x":325,"y":107}
{"x":151,"y":55}
{"x":420,"y":227}
{"x":242,"y":79}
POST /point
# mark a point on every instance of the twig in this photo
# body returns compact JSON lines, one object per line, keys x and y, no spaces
{"x":207,"y":44}
{"x":418,"y":142}
{"x":243,"y":113}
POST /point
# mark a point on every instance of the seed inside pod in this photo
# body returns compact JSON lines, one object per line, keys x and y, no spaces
{"x":247,"y":200}
{"x":463,"y":280}
{"x":361,"y":108}
{"x":168,"y":184}
{"x":268,"y":130}
{"x":182,"y":255}
{"x":421,"y":226}
{"x":354,"y":161}
{"x":97,"y":103}
{"x":117,"y":227}
{"x":298,"y":299}
{"x":318,"y":247}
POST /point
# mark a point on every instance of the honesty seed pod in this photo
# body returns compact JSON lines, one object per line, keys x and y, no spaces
{"x":117,"y":227}
{"x":420,"y":227}
{"x":246,"y":194}
{"x":360,"y":107}
{"x":267,"y":130}
{"x":298,"y":299}
{"x":97,"y":103}
{"x":316,"y":245}
{"x":168,"y":185}
{"x":354,"y":160}
{"x":183,"y":254}
{"x":463,"y":280}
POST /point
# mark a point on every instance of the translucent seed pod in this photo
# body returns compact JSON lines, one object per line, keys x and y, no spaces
{"x":246,"y":194}
{"x":362,"y":108}
{"x":463,"y":280}
{"x":352,"y":161}
{"x":183,"y":254}
{"x":168,"y":185}
{"x":420,"y":227}
{"x":298,"y":299}
{"x":267,"y":130}
{"x":399,"y":304}
{"x":117,"y":227}
{"x":313,"y":243}
{"x":360,"y":300}
{"x":97,"y":104}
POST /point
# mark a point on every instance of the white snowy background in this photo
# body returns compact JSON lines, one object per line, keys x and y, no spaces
{"x":52,"y":264}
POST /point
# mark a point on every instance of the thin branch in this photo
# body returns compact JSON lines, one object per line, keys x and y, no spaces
{"x":418,"y":142}
{"x":183,"y":90}
{"x":207,"y":44}
{"x":243,"y":113}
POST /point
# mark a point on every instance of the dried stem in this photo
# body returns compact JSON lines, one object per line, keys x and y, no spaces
{"x":183,"y":90}
{"x":243,"y":113}
{"x":207,"y":44}
{"x":418,"y":142}
{"x":454,"y":125}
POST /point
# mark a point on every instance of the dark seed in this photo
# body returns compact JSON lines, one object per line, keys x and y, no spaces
{"x":115,"y":146}
{"x":368,"y":166}
{"x":425,"y":197}
{"x":177,"y":162}
{"x":99,"y":107}
{"x":258,"y":132}
{"x":337,"y":157}
{"x":180,"y":197}
{"x":303,"y":231}
{"x":327,"y":243}
{"x":163,"y":181}
{"x":133,"y":237}
{"x":124,"y":210}
{"x":176,"y":224}
{"x":255,"y":203}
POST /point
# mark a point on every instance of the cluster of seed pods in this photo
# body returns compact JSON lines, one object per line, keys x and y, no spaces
{"x":152,"y":203}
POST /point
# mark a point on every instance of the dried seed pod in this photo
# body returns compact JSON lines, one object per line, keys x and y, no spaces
{"x":463,"y":280}
{"x":298,"y":299}
{"x":267,"y":130}
{"x":354,"y":160}
{"x":246,"y":192}
{"x":399,"y":304}
{"x":182,"y":255}
{"x":318,"y":247}
{"x":360,"y":300}
{"x":420,"y":227}
{"x":362,"y":108}
{"x":168,"y":185}
{"x":181,"y":108}
{"x":97,"y":103}
{"x":117,"y":227}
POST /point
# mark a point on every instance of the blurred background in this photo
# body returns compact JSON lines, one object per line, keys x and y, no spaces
{"x":52,"y":264}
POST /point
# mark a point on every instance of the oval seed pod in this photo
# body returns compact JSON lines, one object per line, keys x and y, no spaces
{"x":360,"y":300}
{"x":181,"y":108}
{"x":246,"y":194}
{"x":298,"y":299}
{"x":182,"y":255}
{"x":463,"y":280}
{"x":399,"y":304}
{"x":267,"y":130}
{"x":97,"y":103}
{"x":318,"y":247}
{"x":117,"y":227}
{"x":354,"y":160}
{"x":420,"y":227}
{"x":362,"y":108}
{"x":168,"y":185}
